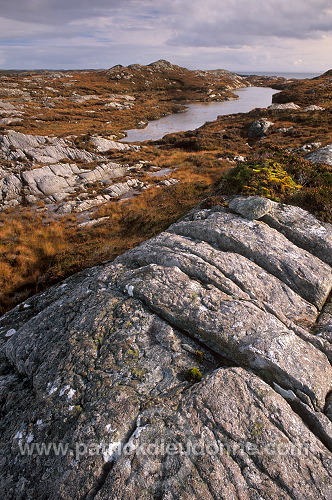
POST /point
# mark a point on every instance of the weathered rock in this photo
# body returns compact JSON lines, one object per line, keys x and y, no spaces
{"x":305,"y":274}
{"x":100,"y":364}
{"x":7,"y":105}
{"x":56,"y":182}
{"x":259,"y":127}
{"x":302,"y":228}
{"x":121,"y":188}
{"x":251,"y":207}
{"x":286,"y":105}
{"x":41,"y":149}
{"x":322,"y":155}
{"x":103,"y":145}
{"x":313,"y":107}
{"x":206,"y":449}
{"x":105,"y":172}
{"x":10,"y":188}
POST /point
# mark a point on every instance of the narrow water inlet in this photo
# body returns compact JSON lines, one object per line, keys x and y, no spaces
{"x":199,"y":113}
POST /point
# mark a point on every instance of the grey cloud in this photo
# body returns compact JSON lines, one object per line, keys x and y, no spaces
{"x":55,"y":11}
{"x":251,"y":21}
{"x":100,"y":33}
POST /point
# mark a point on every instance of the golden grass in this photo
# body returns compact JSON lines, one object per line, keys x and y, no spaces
{"x":36,"y":252}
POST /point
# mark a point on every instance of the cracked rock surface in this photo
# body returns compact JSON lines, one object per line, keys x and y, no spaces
{"x":105,"y":364}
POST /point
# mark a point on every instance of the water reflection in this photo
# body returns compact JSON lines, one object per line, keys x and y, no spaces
{"x":199,"y":113}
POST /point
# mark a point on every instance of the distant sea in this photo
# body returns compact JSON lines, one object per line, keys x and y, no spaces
{"x":299,"y":76}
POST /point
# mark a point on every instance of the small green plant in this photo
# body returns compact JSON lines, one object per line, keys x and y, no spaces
{"x":199,"y":355}
{"x":193,"y":375}
{"x":77,"y":410}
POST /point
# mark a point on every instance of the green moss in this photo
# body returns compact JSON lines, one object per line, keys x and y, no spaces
{"x":268,"y":178}
{"x":193,"y":375}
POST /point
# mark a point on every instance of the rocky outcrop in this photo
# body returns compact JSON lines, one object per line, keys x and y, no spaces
{"x":41,"y":149}
{"x":98,"y":372}
{"x":313,"y":107}
{"x":55,"y":183}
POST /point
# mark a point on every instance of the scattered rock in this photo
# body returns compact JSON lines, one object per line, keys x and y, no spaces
{"x":309,"y":147}
{"x":286,"y":130}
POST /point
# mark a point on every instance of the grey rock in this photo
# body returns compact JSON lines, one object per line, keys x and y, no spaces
{"x":305,"y":274}
{"x":322,"y":155}
{"x":210,"y":418}
{"x":99,"y":364}
{"x":6,"y":105}
{"x":328,"y":407}
{"x":10,"y":188}
{"x":252,"y":207}
{"x":259,"y":127}
{"x":309,"y":147}
{"x":302,"y":228}
{"x":54,"y":183}
{"x":121,"y":188}
{"x":313,"y":107}
{"x":105,"y":172}
{"x":234,"y":328}
{"x":230,"y":272}
{"x":287,"y":105}
{"x":103,"y":145}
{"x":41,"y":149}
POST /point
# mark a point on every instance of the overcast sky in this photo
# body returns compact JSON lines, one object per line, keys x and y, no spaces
{"x":239,"y":35}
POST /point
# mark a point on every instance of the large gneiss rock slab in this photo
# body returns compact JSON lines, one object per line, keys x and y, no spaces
{"x":96,"y":373}
{"x":304,"y":273}
{"x":208,"y":449}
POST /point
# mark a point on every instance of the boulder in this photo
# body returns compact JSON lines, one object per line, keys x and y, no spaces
{"x":259,"y":127}
{"x":286,"y":105}
{"x":187,"y":367}
{"x":251,"y":207}
{"x":10,"y":188}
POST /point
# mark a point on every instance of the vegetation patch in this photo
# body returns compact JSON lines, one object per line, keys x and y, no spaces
{"x":193,"y":375}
